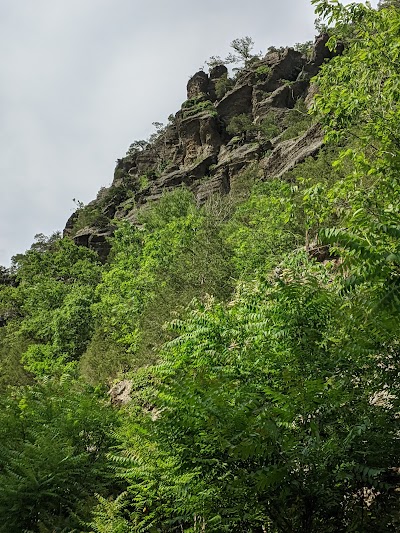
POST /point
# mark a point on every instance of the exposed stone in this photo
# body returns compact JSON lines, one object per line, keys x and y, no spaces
{"x":218,"y":71}
{"x":283,"y":97}
{"x":217,"y":184}
{"x":200,"y":137}
{"x":69,"y":226}
{"x":120,"y":393}
{"x":197,"y":171}
{"x":195,"y":148}
{"x":197,"y":85}
{"x":286,"y":65}
{"x":96,"y":239}
{"x":82,"y":237}
{"x":312,"y":91}
{"x":290,"y":153}
{"x":236,"y":102}
{"x":230,"y":163}
{"x":322,"y":52}
{"x":235,"y":160}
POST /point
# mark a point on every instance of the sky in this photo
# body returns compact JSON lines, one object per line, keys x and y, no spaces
{"x":80,"y":80}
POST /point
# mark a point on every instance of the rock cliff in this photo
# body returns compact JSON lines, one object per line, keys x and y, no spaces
{"x":223,"y":126}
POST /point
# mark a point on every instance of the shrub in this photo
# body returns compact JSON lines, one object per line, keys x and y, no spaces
{"x":297,"y":121}
{"x":241,"y":125}
{"x":262,"y":71}
{"x":269,"y":126}
{"x":222,"y":86}
{"x":199,"y":107}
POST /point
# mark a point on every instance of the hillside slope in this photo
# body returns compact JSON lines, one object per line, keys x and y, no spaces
{"x":224,"y":126}
{"x":228,"y":359}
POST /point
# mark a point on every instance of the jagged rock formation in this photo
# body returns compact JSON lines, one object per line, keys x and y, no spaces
{"x":287,"y":154}
{"x":198,"y":148}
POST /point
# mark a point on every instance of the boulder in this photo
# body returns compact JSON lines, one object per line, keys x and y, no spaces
{"x":321,"y":51}
{"x":321,"y":54}
{"x":284,"y":65}
{"x":217,"y":72}
{"x":96,"y":239}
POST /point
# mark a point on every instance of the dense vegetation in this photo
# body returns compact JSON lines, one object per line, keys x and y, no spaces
{"x":260,"y":333}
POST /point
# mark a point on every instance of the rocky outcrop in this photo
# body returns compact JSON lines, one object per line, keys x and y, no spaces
{"x":120,"y":393}
{"x":284,"y":66}
{"x":238,"y":101}
{"x":96,"y":239}
{"x":198,"y":85}
{"x":198,"y":148}
{"x":287,"y":154}
{"x":200,"y":136}
{"x":321,"y":54}
{"x":284,"y":97}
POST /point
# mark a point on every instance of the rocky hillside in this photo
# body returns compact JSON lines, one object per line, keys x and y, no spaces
{"x":249,"y":342}
{"x":223,"y":126}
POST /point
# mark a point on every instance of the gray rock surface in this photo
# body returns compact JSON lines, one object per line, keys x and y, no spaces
{"x":287,"y":154}
{"x":195,"y":148}
{"x":197,"y":85}
{"x":120,"y":393}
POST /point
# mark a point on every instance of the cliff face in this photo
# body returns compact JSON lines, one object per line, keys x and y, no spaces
{"x":222,"y":127}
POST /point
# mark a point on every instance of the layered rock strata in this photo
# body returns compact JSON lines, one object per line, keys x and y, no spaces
{"x":198,"y":148}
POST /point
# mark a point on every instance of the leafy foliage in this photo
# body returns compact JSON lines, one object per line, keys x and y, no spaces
{"x":53,"y":440}
{"x":259,"y":333}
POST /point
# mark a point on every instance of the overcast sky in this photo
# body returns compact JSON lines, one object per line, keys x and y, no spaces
{"x":82,"y":79}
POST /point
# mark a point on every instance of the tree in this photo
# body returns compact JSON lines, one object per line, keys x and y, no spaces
{"x":242,"y":50}
{"x":359,"y":104}
{"x":53,"y":443}
{"x":277,"y":411}
{"x":52,"y":316}
{"x":137,"y":146}
{"x":255,"y":421}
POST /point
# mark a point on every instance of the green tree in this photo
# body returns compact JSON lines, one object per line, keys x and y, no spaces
{"x":53,"y":444}
{"x":242,"y":50}
{"x":255,"y":419}
{"x":359,"y":101}
{"x":157,"y":270}
{"x":51,"y":305}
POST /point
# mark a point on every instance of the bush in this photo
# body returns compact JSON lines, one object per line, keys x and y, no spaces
{"x":199,"y":107}
{"x":222,"y":86}
{"x":269,"y":126}
{"x":241,"y":125}
{"x":297,"y":121}
{"x":262,"y":71}
{"x":104,"y":360}
{"x":53,"y":443}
